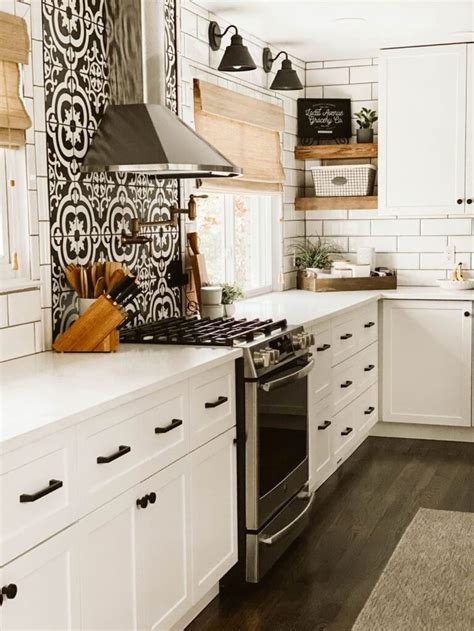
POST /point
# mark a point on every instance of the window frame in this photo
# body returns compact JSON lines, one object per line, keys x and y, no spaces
{"x":274,"y":274}
{"x":15,"y":218}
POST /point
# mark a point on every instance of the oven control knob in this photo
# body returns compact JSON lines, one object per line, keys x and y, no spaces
{"x":312,"y":339}
{"x":300,"y":341}
{"x":274,"y":355}
{"x":261,"y":359}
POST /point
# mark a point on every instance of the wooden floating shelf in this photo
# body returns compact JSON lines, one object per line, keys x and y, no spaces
{"x":335,"y":152}
{"x":337,"y":203}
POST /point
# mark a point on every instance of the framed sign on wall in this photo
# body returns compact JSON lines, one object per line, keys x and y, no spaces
{"x":323,"y":120}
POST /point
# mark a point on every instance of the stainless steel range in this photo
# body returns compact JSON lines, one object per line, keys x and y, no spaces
{"x":272,"y":425}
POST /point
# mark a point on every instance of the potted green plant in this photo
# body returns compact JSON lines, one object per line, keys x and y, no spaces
{"x":230,"y":293}
{"x":366,"y":119}
{"x":315,"y":254}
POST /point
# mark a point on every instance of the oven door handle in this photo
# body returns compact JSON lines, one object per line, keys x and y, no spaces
{"x":287,"y":379}
{"x":269,"y":541}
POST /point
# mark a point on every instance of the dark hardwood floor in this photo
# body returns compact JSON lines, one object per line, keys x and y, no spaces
{"x":358,"y":517}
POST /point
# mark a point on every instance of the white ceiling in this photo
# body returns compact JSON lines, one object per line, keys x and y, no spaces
{"x":308,"y":30}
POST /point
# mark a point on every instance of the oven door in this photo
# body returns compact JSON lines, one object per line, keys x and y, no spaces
{"x":279,"y":441}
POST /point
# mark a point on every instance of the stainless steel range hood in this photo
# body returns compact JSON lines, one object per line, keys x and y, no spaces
{"x":149,"y":138}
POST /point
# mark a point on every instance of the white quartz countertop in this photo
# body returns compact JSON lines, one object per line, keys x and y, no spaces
{"x":309,"y":308}
{"x":43,"y":393}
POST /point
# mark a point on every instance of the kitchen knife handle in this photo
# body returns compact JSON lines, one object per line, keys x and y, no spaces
{"x":121,"y":286}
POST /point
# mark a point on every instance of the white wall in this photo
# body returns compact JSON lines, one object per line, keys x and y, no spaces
{"x":197,"y":60}
{"x":25,"y":312}
{"x":414,"y":246}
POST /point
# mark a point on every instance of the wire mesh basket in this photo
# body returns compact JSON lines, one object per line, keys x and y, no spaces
{"x":344,"y":181}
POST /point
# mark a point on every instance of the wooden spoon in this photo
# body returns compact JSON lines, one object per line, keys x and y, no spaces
{"x":99,"y":287}
{"x":115,"y":278}
{"x":73,"y":278}
{"x":84,"y":283}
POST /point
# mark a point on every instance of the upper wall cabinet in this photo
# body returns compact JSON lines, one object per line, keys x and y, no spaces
{"x":426,"y":136}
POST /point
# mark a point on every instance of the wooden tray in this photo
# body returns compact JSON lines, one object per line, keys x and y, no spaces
{"x":311,"y":283}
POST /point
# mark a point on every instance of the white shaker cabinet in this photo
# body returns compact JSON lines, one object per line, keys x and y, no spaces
{"x":43,"y":587}
{"x":423,"y":130}
{"x":213,"y":511}
{"x":427,"y":355}
{"x":321,"y":462}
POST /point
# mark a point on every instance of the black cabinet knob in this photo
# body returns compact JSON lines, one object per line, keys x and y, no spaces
{"x":152,"y":497}
{"x":142,"y":502}
{"x":459,"y":201}
{"x":346,"y":384}
{"x":469,"y":201}
{"x":467,"y":314}
{"x":10,"y":591}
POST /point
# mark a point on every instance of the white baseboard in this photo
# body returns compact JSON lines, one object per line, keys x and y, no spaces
{"x":196,"y":609}
{"x":427,"y":432}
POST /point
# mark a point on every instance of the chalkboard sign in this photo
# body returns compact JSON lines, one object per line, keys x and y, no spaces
{"x":324,"y":119}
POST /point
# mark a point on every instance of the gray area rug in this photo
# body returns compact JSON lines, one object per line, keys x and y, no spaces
{"x":428,"y":583}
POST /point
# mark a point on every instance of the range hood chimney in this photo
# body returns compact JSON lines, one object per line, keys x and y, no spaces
{"x":149,"y":138}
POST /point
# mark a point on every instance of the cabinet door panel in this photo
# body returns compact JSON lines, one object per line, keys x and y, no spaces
{"x":162,"y":542}
{"x":320,"y":379}
{"x":470,"y":131}
{"x":427,"y":351}
{"x":47,"y":580}
{"x":422,"y":168}
{"x":107,"y":554}
{"x":213,"y":512}
{"x":321,"y":463}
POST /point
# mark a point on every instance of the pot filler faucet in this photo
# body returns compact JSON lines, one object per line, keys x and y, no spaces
{"x":136,"y":238}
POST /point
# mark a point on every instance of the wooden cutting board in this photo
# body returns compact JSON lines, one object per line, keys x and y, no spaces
{"x":198,"y":265}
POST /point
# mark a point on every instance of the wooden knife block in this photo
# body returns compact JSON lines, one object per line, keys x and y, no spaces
{"x":95,"y":331}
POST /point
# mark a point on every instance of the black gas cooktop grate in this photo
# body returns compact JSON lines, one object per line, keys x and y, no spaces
{"x":204,"y":332}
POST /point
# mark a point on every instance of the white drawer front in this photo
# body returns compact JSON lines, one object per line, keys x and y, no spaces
{"x":366,"y":410}
{"x":367,"y":325}
{"x":320,"y":380}
{"x":38,"y":493}
{"x":344,"y":433}
{"x":344,"y":384}
{"x":367,"y":367}
{"x":166,"y":427}
{"x":212,"y":403}
{"x":344,"y":338}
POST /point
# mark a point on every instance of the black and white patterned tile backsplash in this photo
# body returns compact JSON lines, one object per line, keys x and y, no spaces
{"x":92,"y":57}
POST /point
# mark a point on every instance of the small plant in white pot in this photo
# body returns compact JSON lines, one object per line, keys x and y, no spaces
{"x":366,"y":119}
{"x":230,"y":293}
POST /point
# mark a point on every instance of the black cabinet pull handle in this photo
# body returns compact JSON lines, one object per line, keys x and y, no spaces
{"x":369,"y":410}
{"x":466,"y":314}
{"x":122,"y":450}
{"x":369,"y":368}
{"x":469,"y":201}
{"x":214,"y":404}
{"x":346,"y":431}
{"x":142,"y":502}
{"x":346,"y":336}
{"x":152,"y":497}
{"x":176,"y":422}
{"x":325,"y":425}
{"x":459,"y":201}
{"x":346,"y":384}
{"x":53,"y":485}
{"x":368,"y":325}
{"x":10,"y":591}
{"x":324,"y":347}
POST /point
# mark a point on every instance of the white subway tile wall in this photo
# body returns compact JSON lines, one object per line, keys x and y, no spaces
{"x":198,"y":61}
{"x":415,"y":247}
{"x":25,"y":316}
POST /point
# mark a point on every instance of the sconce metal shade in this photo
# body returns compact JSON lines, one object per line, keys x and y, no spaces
{"x":237,"y":57}
{"x":286,"y":78}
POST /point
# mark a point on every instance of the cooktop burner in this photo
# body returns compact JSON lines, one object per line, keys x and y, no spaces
{"x":202,"y":332}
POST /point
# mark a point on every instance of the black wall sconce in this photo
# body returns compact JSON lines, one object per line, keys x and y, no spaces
{"x":286,"y":78}
{"x":236,"y":57}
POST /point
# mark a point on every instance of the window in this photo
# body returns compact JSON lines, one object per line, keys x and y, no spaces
{"x":236,"y":235}
{"x":13,"y":203}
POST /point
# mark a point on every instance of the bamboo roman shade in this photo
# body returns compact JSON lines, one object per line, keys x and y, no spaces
{"x":14,"y":49}
{"x":246,"y":131}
